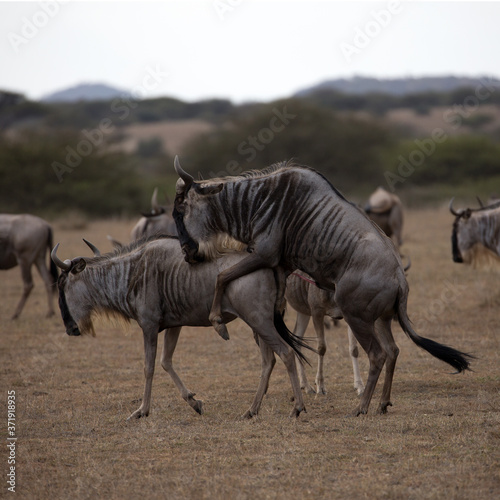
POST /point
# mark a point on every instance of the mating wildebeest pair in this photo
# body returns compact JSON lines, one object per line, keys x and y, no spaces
{"x":288,"y":217}
{"x":291,"y":216}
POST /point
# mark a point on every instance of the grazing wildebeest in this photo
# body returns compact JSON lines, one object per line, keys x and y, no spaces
{"x":25,"y":240}
{"x":476,"y":235}
{"x":308,"y":300}
{"x":291,"y":216}
{"x":386,"y":210}
{"x":150,"y":282}
{"x":158,"y":220}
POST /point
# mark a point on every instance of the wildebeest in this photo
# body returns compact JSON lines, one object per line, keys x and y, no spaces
{"x":25,"y":240}
{"x":291,"y":216}
{"x":310,"y":301}
{"x":149,"y":281}
{"x":476,"y":235}
{"x":386,"y":210}
{"x":158,"y":220}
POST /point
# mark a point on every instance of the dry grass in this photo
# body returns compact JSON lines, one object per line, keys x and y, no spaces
{"x":73,"y":395}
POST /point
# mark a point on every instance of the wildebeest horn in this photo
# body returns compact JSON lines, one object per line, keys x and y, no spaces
{"x":65,"y":266}
{"x":154,"y":202}
{"x":454,"y":212}
{"x":188,"y":179}
{"x":96,"y":251}
{"x":479,"y":201}
{"x":407,"y":267}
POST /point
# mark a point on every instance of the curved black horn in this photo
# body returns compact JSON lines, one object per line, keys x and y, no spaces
{"x":96,"y":251}
{"x":479,"y":201}
{"x":155,"y":208}
{"x":188,"y":179}
{"x":454,"y":212}
{"x":65,"y":266}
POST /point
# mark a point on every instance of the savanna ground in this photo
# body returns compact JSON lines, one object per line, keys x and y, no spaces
{"x":441,"y":439}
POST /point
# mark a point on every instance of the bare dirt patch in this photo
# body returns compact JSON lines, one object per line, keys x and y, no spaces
{"x":441,"y":438}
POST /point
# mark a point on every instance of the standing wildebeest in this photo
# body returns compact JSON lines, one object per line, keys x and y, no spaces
{"x":309,"y":300}
{"x":158,"y":220}
{"x":386,"y":210}
{"x":150,"y":282}
{"x":24,"y":241}
{"x":476,"y":235}
{"x":291,"y":216}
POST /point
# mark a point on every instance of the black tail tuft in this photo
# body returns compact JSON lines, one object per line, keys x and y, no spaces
{"x":457,"y":359}
{"x":291,"y":339}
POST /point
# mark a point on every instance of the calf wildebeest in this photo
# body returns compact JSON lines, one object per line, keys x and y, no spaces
{"x":158,"y":220}
{"x":25,"y":240}
{"x":291,"y":216}
{"x":476,"y":235}
{"x":308,"y":300}
{"x":149,"y":281}
{"x":386,"y":210}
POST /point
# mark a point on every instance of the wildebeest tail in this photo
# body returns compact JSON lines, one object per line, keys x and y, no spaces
{"x":457,"y":359}
{"x":290,"y":338}
{"x":53,"y":268}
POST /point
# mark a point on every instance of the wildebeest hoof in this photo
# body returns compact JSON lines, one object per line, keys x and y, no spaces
{"x":221,"y":329}
{"x":248,"y":415}
{"x":308,"y":390}
{"x":137,"y":414}
{"x":296,"y":412}
{"x":198,"y":406}
{"x":358,"y":411}
{"x":382,"y":409}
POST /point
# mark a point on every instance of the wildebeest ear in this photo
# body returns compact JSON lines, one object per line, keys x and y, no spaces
{"x":217,"y":188}
{"x":79,"y":265}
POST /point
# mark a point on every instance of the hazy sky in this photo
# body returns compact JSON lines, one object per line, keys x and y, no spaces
{"x":239,"y":49}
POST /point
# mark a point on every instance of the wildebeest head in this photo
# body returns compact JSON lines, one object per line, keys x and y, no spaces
{"x":192,"y":212}
{"x":77,"y":319}
{"x":459,"y":232}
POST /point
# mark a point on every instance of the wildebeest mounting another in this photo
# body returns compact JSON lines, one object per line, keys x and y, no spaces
{"x":150,"y":282}
{"x":26,"y":240}
{"x":291,"y":216}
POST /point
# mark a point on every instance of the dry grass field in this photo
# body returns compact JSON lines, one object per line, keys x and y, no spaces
{"x":441,"y":439}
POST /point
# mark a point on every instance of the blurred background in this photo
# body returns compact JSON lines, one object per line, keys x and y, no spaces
{"x":96,"y":98}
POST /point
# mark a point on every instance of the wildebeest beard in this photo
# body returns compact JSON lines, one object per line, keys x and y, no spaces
{"x":457,"y":256}
{"x":69,"y":323}
{"x":188,"y":245}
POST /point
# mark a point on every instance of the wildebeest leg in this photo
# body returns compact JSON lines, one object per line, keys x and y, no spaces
{"x":299,"y":330}
{"x":365,"y":335}
{"x":27,"y":286}
{"x":268,"y":333}
{"x":246,"y":266}
{"x":354,"y":352}
{"x":150,"y":343}
{"x":386,"y":340}
{"x":319,"y":327}
{"x":268,"y":361}
{"x":47,"y":279}
{"x":169,"y":344}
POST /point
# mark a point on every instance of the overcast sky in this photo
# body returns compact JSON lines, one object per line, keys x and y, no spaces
{"x":239,"y":49}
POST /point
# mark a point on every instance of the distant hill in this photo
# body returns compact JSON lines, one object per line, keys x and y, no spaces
{"x":396,"y":86}
{"x":86,"y":92}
